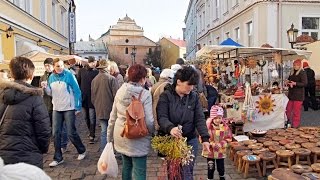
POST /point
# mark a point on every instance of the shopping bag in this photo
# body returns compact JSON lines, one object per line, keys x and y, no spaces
{"x":107,"y":163}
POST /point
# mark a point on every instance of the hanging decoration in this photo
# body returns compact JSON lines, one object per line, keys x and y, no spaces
{"x":248,"y":108}
{"x":265,"y":104}
{"x":251,"y":63}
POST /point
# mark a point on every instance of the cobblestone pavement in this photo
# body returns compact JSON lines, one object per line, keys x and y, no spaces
{"x":87,"y":168}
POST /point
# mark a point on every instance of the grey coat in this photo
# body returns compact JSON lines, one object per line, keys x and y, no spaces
{"x":130,"y":147}
{"x":103,"y":90}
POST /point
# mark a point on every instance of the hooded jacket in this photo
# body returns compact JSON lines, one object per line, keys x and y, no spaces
{"x":65,"y":91}
{"x":25,"y":130}
{"x":130,"y":147}
{"x":170,"y":110}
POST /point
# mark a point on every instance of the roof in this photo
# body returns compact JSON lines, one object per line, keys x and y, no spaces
{"x":178,"y":42}
{"x":89,"y":46}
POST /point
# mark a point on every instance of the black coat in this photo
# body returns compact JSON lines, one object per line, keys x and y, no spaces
{"x":85,"y":77}
{"x":170,"y":110}
{"x":311,"y":77}
{"x":296,"y":93}
{"x":25,"y":131}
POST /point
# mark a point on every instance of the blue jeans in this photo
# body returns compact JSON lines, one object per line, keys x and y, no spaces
{"x":103,"y":136}
{"x":69,"y":118}
{"x":187,"y":171}
{"x":90,"y":117}
{"x":134,"y":166}
{"x":64,"y":136}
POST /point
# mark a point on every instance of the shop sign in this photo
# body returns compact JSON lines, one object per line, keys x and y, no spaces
{"x":72,"y":27}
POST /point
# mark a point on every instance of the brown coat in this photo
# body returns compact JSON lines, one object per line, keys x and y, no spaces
{"x":296,"y":93}
{"x":103,"y":90}
{"x":156,"y":91}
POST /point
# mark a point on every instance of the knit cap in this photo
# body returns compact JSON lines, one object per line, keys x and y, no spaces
{"x":216,"y":111}
{"x":21,"y":171}
{"x":167,"y":73}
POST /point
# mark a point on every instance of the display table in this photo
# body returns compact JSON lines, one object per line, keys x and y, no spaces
{"x":276,"y":118}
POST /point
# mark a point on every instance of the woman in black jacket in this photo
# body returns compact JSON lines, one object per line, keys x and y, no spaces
{"x":25,"y":124}
{"x":179,"y":106}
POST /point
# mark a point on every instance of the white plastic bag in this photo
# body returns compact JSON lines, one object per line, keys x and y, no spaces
{"x":107,"y":163}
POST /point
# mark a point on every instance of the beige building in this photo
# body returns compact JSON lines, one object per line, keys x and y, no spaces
{"x":314,"y":60}
{"x":126,"y":42}
{"x":43,"y":25}
{"x":171,"y":50}
{"x":248,"y":22}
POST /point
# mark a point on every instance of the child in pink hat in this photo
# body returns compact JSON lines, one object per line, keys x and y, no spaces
{"x":220,"y":135}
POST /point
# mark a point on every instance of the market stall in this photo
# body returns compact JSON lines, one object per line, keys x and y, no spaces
{"x":265,"y":69}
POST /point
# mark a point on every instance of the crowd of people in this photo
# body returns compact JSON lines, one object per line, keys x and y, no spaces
{"x":172,"y":105}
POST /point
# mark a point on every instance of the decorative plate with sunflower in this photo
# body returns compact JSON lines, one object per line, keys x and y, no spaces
{"x":265,"y":104}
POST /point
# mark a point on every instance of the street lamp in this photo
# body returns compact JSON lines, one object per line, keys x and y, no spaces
{"x":9,"y":32}
{"x":133,"y":54}
{"x":292,"y":35}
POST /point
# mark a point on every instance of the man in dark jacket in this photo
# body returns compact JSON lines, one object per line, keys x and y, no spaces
{"x":25,"y":127}
{"x":180,"y":113}
{"x":310,"y":89}
{"x":85,"y":77}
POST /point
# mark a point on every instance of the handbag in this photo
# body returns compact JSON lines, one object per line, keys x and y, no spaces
{"x":249,"y":110}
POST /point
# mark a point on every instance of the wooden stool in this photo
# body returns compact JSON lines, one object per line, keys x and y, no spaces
{"x":270,"y":143}
{"x":255,"y":146}
{"x":292,"y":146}
{"x":238,"y":130}
{"x":250,"y":160}
{"x":263,"y":139}
{"x":311,"y":176}
{"x":299,"y":169}
{"x":231,"y":151}
{"x":308,"y":145}
{"x":315,"y":152}
{"x":240,"y":154}
{"x":284,"y":154}
{"x":267,"y":157}
{"x":302,"y":152}
{"x":250,"y":141}
{"x":259,"y":151}
{"x":286,"y":141}
{"x":274,"y":148}
{"x":316,"y":167}
{"x":283,"y":173}
{"x":300,"y":140}
{"x":236,"y":149}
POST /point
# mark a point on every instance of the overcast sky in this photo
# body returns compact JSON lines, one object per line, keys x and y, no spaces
{"x":157,"y":17}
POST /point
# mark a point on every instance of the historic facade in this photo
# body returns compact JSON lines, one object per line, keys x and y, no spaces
{"x":27,"y":25}
{"x":249,"y":22}
{"x":93,"y":48}
{"x":171,"y":50}
{"x":126,"y":42}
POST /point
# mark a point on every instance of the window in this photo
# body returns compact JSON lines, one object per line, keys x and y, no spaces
{"x":200,"y":22}
{"x":53,"y":15}
{"x":150,"y":51}
{"x":204,"y":20}
{"x":23,"y":4}
{"x":227,"y":35}
{"x":127,"y":51}
{"x":310,"y":26}
{"x":43,"y":8}
{"x":63,"y":21}
{"x":237,"y":34}
{"x":217,"y":3}
{"x":250,"y":32}
{"x":218,"y":40}
{"x":226,"y":6}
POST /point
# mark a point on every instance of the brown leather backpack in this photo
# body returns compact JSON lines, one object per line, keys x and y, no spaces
{"x":135,"y":125}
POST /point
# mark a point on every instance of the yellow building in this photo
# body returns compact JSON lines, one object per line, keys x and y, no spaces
{"x":43,"y":25}
{"x":171,"y":50}
{"x":314,"y":60}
